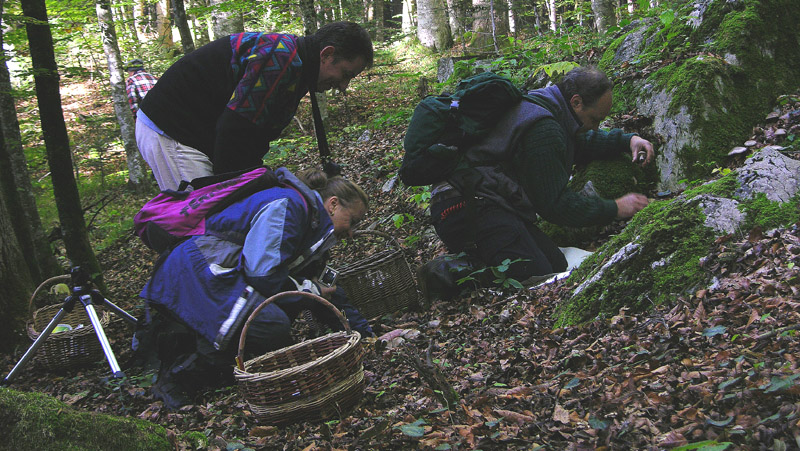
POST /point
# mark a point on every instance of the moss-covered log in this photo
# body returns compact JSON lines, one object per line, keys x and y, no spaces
{"x":40,"y":422}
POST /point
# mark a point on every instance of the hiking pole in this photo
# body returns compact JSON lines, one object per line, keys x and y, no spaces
{"x":83,"y":293}
{"x":330,"y":168}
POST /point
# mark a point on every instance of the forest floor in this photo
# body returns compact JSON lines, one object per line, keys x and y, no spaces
{"x":716,"y":368}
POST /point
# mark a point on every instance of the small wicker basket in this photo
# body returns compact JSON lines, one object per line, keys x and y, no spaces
{"x":70,"y":348}
{"x":381,"y":283}
{"x":308,"y":381}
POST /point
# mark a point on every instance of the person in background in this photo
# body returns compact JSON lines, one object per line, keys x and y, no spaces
{"x":272,"y":241}
{"x":217,"y":109}
{"x":138,"y":83}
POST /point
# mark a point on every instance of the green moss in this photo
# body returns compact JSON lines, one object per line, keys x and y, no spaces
{"x":37,"y":421}
{"x":196,"y":439}
{"x":767,"y":214}
{"x":721,"y":187}
{"x":671,"y":234}
{"x":607,"y":60}
{"x":723,"y":96}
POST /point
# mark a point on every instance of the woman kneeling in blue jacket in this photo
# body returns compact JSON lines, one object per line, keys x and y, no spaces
{"x":275,"y":240}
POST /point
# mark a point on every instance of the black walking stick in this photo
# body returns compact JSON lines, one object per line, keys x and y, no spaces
{"x":330,"y":168}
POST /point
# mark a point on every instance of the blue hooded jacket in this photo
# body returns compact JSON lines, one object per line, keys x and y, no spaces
{"x":212,"y":283}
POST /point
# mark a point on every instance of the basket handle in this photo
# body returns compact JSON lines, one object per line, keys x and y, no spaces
{"x":63,"y":277}
{"x":320,"y":299}
{"x":378,"y":233}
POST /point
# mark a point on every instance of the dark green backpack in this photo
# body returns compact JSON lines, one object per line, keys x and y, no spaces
{"x":442,"y":125}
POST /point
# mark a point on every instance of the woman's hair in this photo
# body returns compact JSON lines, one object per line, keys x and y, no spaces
{"x":346,"y":191}
{"x":588,"y":82}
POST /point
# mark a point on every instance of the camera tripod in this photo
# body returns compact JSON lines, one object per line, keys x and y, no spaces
{"x":80,"y":291}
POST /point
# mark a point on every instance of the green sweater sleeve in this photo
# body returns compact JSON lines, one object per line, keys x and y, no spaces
{"x":543,"y":168}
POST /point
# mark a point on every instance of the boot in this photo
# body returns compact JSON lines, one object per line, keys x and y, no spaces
{"x":439,"y":278}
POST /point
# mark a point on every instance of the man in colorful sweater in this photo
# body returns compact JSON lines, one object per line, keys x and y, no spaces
{"x":217,"y":109}
{"x":138,"y":84}
{"x":544,"y":138}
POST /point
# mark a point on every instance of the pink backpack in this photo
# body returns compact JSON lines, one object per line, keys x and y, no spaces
{"x":174,"y":216}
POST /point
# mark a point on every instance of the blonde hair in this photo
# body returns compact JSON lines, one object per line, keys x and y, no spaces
{"x":346,"y":191}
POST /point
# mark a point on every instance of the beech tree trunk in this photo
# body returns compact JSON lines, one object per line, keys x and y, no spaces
{"x":491,"y":22}
{"x":377,"y":19}
{"x":54,"y":130}
{"x":137,"y":172}
{"x":163,"y":26}
{"x":433,"y":29}
{"x":309,"y":15}
{"x":15,"y":182}
{"x":604,"y":16}
{"x":552,"y":14}
{"x":201,"y":25}
{"x":409,"y":13}
{"x":179,"y":15}
{"x":226,"y":19}
{"x":15,"y":280}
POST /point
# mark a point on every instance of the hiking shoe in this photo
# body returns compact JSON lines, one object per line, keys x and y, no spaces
{"x":439,"y":277}
{"x":172,"y":394}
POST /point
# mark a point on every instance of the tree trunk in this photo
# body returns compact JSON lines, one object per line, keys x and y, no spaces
{"x":377,"y":17}
{"x":309,"y":15}
{"x":551,"y":14}
{"x":137,"y":173}
{"x":491,"y":21}
{"x":143,"y":19}
{"x":604,"y":16}
{"x":54,"y":130}
{"x":433,"y":29}
{"x":15,"y":280}
{"x":15,"y":182}
{"x":226,"y":20}
{"x":201,"y":25}
{"x":408,"y":16}
{"x":393,"y":14}
{"x":163,"y":25}
{"x":130,"y":20}
{"x":458,"y":16}
{"x":179,"y":13}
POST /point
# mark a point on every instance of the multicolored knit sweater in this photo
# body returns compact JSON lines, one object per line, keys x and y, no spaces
{"x":231,"y":97}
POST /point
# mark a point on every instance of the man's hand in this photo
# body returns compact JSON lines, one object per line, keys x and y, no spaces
{"x":641,"y":145}
{"x":629,"y":204}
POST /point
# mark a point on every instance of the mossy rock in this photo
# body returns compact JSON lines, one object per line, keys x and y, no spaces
{"x":40,"y":422}
{"x":656,"y":257}
{"x":704,"y":75}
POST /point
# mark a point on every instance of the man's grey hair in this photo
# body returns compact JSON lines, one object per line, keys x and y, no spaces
{"x":588,"y":82}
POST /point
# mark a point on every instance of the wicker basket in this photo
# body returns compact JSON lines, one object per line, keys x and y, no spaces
{"x":308,"y":381}
{"x":67,"y":349}
{"x":381,"y":283}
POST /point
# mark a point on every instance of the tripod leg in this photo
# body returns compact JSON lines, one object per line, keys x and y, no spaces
{"x":35,"y":346}
{"x":122,"y":313}
{"x":101,"y":336}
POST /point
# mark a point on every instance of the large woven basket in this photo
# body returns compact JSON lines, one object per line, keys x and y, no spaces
{"x":381,"y":283}
{"x":309,"y":381}
{"x":67,"y":349}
